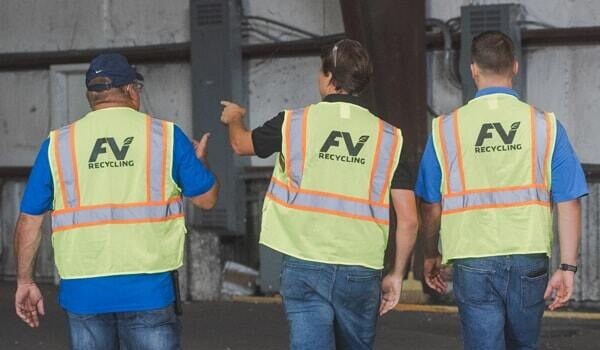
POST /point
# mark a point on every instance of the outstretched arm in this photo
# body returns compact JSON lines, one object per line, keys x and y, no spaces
{"x":29,"y":303}
{"x":239,"y":136}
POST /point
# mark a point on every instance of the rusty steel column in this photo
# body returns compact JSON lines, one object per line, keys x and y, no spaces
{"x":394,"y":34}
{"x":393,"y":31}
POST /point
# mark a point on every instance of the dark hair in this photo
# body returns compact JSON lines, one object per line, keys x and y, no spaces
{"x":349,"y":64}
{"x":493,"y":51}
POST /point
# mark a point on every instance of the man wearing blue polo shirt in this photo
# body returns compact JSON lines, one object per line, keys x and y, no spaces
{"x":113,"y":181}
{"x":490,"y":175}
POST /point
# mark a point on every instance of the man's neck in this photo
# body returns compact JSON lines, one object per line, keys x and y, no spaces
{"x":494,"y":83}
{"x":104,"y":105}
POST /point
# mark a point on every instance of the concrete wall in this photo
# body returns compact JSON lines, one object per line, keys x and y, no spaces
{"x":34,"y":26}
{"x":559,"y":79}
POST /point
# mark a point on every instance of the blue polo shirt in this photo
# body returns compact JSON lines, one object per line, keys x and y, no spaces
{"x":568,"y":179}
{"x":127,"y":292}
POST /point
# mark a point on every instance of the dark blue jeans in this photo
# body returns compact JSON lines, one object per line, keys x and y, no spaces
{"x":144,"y":330}
{"x":501,"y":300}
{"x":330,"y":306}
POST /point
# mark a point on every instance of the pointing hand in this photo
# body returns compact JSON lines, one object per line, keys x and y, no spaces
{"x":231,"y":112}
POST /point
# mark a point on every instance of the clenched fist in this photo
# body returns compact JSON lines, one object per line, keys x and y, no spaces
{"x":231,"y":112}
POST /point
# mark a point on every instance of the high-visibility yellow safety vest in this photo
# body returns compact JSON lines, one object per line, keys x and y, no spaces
{"x":116,"y":208}
{"x":328,"y":200}
{"x":495,"y":154}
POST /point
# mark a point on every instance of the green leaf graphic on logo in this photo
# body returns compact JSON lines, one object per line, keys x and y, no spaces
{"x":515,"y":125}
{"x":128,"y":141}
{"x":363,"y":138}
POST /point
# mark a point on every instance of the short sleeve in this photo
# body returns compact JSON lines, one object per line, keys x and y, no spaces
{"x":267,"y":139}
{"x":39,"y":192}
{"x":404,"y":175}
{"x":189,"y":173}
{"x":568,"y":178}
{"x":429,"y":177}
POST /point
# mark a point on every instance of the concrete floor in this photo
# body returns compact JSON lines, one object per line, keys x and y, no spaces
{"x":248,"y":326}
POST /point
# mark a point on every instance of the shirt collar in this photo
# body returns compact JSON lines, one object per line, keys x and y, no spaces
{"x":496,"y":90}
{"x":359,"y":101}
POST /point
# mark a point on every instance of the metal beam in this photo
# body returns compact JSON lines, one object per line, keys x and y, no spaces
{"x":180,"y":52}
{"x":393,"y":33}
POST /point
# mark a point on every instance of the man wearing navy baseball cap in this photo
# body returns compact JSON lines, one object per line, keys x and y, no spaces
{"x":113,"y":182}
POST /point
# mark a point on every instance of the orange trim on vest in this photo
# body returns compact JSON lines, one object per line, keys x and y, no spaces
{"x":444,"y":154}
{"x":119,"y":222}
{"x":116,"y":205}
{"x":74,"y":163}
{"x":148,"y":156}
{"x":389,"y":170}
{"x":533,"y":146}
{"x":325,"y":211}
{"x":495,"y":206}
{"x":288,"y":147}
{"x":304,"y":127}
{"x":63,"y":190}
{"x":329,"y":194}
{"x":459,"y":152}
{"x":547,"y":154}
{"x":376,"y":159}
{"x":494,"y":189}
{"x":163,"y":171}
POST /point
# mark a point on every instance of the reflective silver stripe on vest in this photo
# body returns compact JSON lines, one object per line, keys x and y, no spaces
{"x":296,"y":138}
{"x":328,"y":204}
{"x":495,"y":198}
{"x":107,"y":215}
{"x":66,"y":166}
{"x":454,"y":180}
{"x":541,"y":140}
{"x":156,"y":160}
{"x":386,"y":154}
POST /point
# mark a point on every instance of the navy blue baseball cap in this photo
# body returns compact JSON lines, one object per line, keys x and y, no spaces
{"x":113,"y":66}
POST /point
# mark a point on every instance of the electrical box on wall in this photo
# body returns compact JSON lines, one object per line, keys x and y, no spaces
{"x":476,"y":19}
{"x":216,"y":67}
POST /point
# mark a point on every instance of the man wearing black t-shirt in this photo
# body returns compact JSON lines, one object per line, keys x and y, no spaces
{"x":327,"y":208}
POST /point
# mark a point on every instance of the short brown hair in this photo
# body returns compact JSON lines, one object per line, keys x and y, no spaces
{"x":493,"y":51}
{"x":349,"y":64}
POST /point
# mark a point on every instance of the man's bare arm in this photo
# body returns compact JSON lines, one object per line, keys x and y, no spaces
{"x":431,"y":220}
{"x":209,"y":199}
{"x":28,"y":298}
{"x":240,"y":137}
{"x":569,"y":235}
{"x":407,"y":225}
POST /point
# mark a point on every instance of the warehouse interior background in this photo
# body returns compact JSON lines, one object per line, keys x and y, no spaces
{"x":265,"y":55}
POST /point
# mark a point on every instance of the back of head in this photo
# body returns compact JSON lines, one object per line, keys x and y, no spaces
{"x":493,"y":52}
{"x":349,"y":64}
{"x":111,"y":95}
{"x":109,"y":80}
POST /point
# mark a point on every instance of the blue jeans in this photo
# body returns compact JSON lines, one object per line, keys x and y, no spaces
{"x":144,"y":330}
{"x":501,"y":300}
{"x":330,"y":306}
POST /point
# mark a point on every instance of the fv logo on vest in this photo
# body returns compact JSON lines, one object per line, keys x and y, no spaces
{"x":119,"y":153}
{"x":353,"y":149}
{"x":489,"y":130}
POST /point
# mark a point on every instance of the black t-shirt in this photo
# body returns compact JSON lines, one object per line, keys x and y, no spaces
{"x":267,"y":140}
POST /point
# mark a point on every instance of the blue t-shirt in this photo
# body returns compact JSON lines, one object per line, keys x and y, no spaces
{"x":568,"y":179}
{"x":126,"y":292}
